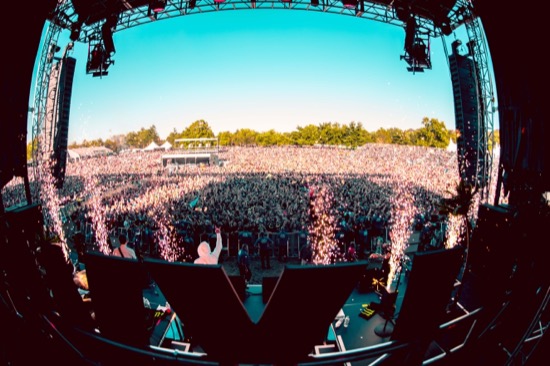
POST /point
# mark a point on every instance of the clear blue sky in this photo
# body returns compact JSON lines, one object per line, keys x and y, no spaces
{"x":259,"y":69}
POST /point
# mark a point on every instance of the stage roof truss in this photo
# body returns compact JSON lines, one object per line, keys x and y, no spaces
{"x":89,"y":16}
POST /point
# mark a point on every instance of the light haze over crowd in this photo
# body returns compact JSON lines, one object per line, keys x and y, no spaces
{"x":258,"y":69}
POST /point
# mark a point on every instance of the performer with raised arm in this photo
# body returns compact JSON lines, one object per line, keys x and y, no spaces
{"x":205,"y":255}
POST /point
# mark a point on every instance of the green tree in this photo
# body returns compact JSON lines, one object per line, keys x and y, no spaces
{"x":308,"y":135}
{"x":225,"y":138}
{"x":114,"y":145}
{"x":493,"y":137}
{"x":271,"y":138}
{"x":245,"y":137}
{"x":354,"y":135}
{"x":198,"y":129}
{"x":433,"y":134}
{"x":331,"y":134}
{"x":172,"y":136}
{"x":143,"y":137}
{"x":146,"y":136}
{"x":382,"y":136}
{"x":29,"y":150}
{"x":399,"y":137}
{"x":132,"y":139}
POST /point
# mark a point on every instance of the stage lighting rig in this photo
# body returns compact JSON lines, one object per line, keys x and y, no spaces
{"x":157,"y":6}
{"x":417,"y":47}
{"x":99,"y":59}
{"x":350,"y":4}
{"x":101,"y":48}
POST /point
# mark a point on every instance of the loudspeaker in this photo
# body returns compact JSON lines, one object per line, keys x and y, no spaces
{"x":492,"y":251}
{"x":471,"y":145}
{"x":58,"y":111}
{"x":268,"y":285}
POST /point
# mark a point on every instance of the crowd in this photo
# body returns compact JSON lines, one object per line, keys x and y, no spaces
{"x":253,"y":189}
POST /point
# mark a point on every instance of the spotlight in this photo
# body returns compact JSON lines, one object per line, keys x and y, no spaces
{"x":75,"y":31}
{"x":192,"y":4}
{"x":314,"y":2}
{"x":350,"y":4}
{"x":402,"y":13}
{"x":157,"y":6}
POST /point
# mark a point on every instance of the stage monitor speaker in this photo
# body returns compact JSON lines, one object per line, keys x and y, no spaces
{"x":116,"y":289}
{"x":207,"y":305}
{"x":428,"y":293}
{"x":492,"y":256}
{"x":312,"y":296}
{"x":268,"y":284}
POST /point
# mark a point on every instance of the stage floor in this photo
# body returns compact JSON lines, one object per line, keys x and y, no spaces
{"x":360,"y":331}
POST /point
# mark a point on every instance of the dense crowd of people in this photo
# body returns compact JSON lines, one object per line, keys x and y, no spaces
{"x":253,"y":189}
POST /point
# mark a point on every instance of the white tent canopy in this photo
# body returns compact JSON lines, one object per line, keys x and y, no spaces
{"x":452,"y":146}
{"x":87,"y":152}
{"x":166,"y":146}
{"x":152,"y":146}
{"x":73,"y":154}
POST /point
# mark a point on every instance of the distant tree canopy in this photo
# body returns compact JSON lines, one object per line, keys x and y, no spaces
{"x":196,"y":129}
{"x":143,"y":137}
{"x":433,"y":133}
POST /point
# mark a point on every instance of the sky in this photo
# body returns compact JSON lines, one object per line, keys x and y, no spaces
{"x":260,"y":69}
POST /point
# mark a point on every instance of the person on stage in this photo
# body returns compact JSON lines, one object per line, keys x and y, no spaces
{"x":243,"y":261}
{"x":205,"y":255}
{"x":264,"y":244}
{"x":124,"y":250}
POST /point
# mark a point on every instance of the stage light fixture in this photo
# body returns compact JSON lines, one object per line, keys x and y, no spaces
{"x":75,"y":31}
{"x":157,"y":6}
{"x":192,"y":4}
{"x":350,"y":4}
{"x":314,"y":2}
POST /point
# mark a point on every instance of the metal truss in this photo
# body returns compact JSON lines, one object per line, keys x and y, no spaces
{"x":532,"y":336}
{"x":66,"y":17}
{"x":478,"y":49}
{"x":39,"y":109}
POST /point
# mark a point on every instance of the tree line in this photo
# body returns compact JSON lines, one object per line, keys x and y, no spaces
{"x":432,"y":133}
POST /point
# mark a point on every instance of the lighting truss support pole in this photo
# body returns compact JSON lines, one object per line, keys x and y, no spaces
{"x":478,"y":47}
{"x":41,"y":88}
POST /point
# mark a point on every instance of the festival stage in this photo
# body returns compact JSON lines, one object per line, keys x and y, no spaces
{"x":369,"y":326}
{"x":174,"y":160}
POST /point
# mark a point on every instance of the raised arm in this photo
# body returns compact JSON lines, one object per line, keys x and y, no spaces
{"x":218,"y":249}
